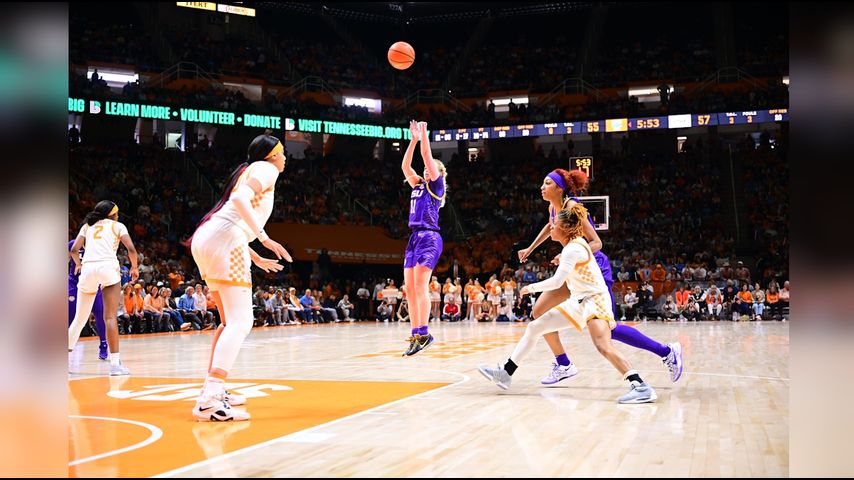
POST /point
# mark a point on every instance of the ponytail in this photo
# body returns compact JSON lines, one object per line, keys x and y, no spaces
{"x":102,"y":210}
{"x":226,"y":193}
{"x":571,"y":220}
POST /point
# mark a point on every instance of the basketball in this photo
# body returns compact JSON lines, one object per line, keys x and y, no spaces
{"x":401,"y":55}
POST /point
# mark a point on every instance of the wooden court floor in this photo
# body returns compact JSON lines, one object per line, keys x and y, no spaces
{"x":339,"y":400}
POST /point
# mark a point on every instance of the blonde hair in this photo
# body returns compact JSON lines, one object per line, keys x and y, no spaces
{"x":443,"y":172}
{"x":571,"y":220}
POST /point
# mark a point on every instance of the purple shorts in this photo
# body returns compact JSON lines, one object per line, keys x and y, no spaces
{"x":424,"y":248}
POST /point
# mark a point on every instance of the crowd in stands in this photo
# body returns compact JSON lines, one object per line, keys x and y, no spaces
{"x":529,"y":59}
{"x":114,"y":40}
{"x":667,"y":226}
{"x":667,"y":238}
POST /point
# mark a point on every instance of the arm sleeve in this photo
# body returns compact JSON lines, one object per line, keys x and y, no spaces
{"x":242,"y":198}
{"x":568,"y":258}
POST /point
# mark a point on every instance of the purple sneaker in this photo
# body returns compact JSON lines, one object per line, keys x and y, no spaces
{"x":102,"y":351}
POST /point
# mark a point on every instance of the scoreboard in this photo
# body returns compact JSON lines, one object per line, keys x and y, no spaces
{"x":612,"y":125}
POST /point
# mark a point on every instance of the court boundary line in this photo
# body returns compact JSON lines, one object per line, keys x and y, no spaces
{"x":177,"y":471}
{"x":156,"y":434}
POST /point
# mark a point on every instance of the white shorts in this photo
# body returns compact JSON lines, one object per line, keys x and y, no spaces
{"x":435,"y":297}
{"x":221,"y":252}
{"x":95,"y":274}
{"x":449,"y":298}
{"x":494,"y":299}
{"x":458,"y":299}
{"x":594,"y":306}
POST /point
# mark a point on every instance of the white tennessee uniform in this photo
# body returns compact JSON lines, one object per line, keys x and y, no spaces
{"x":100,"y":266}
{"x":589,"y":294}
{"x":221,"y":246}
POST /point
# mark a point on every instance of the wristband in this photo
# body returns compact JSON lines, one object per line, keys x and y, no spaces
{"x":262,"y":236}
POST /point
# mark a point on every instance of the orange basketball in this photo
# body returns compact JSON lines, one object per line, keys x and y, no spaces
{"x":401,"y":55}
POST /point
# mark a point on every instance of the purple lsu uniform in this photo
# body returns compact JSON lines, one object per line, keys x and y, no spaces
{"x":601,"y":259}
{"x":425,"y":244}
{"x":97,"y":308}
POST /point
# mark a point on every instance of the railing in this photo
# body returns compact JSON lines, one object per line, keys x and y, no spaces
{"x":569,"y":86}
{"x":183,"y":70}
{"x":366,"y":209}
{"x":311,"y":84}
{"x":202,"y":181}
{"x":729,"y":75}
{"x":435,"y":95}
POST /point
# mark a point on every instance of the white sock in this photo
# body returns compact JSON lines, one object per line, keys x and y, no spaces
{"x":212,"y":388}
{"x":115,"y":360}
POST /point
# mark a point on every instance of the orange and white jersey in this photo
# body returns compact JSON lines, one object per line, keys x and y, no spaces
{"x":509,"y":287}
{"x":102,"y":240}
{"x":262,"y":203}
{"x":435,"y":287}
{"x":495,"y":288}
{"x":578,"y":270}
{"x":446,"y":288}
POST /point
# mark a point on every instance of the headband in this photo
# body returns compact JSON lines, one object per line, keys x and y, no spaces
{"x":558,"y":180}
{"x":114,"y":211}
{"x":278,"y":148}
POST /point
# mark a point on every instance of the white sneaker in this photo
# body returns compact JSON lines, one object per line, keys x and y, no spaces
{"x":497,"y":375}
{"x":214,"y":410}
{"x":673,"y":361}
{"x":558,"y":373}
{"x":234,"y":399}
{"x":640,"y":393}
{"x":119,"y":369}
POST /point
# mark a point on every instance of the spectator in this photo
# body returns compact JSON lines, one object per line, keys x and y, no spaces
{"x":505,"y":312}
{"x":693,"y":309}
{"x":742,"y":274}
{"x":312,"y":314}
{"x":153,"y":315}
{"x":451,"y":313}
{"x":296,"y":312}
{"x":714,"y":302}
{"x":758,"y":302}
{"x":403,"y":311}
{"x":629,"y":303}
{"x":363,"y":297}
{"x":175,"y":314}
{"x":746,"y":307}
{"x":669,"y":309}
{"x":345,"y":307}
{"x":383,"y":312}
{"x":683,"y":294}
{"x":774,"y":305}
{"x":187,"y":306}
{"x":784,"y":297}
{"x":200,"y":301}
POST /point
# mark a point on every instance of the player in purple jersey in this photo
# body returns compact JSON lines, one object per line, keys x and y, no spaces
{"x":561,"y":188}
{"x":425,"y":243}
{"x":97,"y":309}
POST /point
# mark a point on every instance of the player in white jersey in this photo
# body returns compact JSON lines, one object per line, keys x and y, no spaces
{"x":220,"y":247}
{"x":588,"y":306}
{"x":101,"y":234}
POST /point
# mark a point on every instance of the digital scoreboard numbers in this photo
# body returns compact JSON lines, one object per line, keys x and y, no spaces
{"x":647,"y":123}
{"x":585,"y":164}
{"x":501,"y":132}
{"x":480,"y":133}
{"x":593,"y":127}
